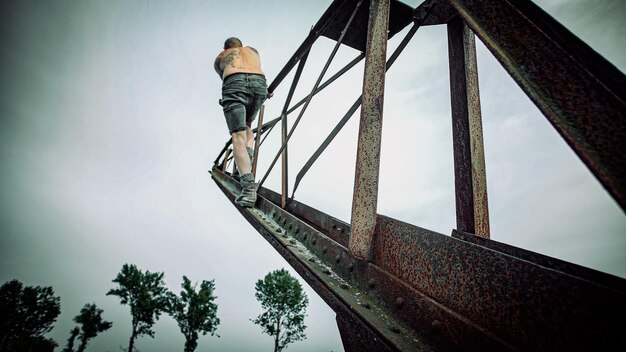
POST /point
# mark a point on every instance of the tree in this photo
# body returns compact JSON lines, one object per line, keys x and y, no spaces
{"x":284,"y":303}
{"x":26,"y":314}
{"x":70,"y":341}
{"x":146,"y":295}
{"x":194,"y":311}
{"x":90,"y":319}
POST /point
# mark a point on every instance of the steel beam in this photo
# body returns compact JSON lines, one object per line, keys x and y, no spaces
{"x":580,"y":93}
{"x":526,"y":304}
{"x":365,"y":198}
{"x":428,"y":291}
{"x":472,"y":213}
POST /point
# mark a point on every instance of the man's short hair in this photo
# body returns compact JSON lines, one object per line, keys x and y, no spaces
{"x":232,"y":42}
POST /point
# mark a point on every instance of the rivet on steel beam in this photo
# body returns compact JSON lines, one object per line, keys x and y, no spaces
{"x":371,"y":283}
{"x":366,"y":305}
{"x":344,"y":286}
{"x":394,"y":329}
{"x":326,"y":271}
{"x":290,"y":226}
{"x":304,"y":236}
{"x":314,"y":241}
{"x":436,"y":326}
{"x":312,"y":259}
{"x":292,"y":241}
{"x":284,"y":221}
{"x":333,"y":226}
{"x":279,"y":230}
{"x":297,"y":230}
{"x":351,"y":267}
{"x":399,"y":302}
{"x":338,"y":258}
{"x":324,"y":250}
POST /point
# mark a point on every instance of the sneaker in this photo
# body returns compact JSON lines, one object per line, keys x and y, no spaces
{"x":247,"y":197}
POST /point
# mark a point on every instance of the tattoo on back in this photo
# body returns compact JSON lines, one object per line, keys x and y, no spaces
{"x":229,"y":58}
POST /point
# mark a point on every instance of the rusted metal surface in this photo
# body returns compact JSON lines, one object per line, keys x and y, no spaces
{"x":332,"y":227}
{"x":354,"y":338}
{"x":423,"y":291}
{"x":442,"y":13}
{"x":314,"y":256}
{"x":365,"y":198}
{"x":257,"y":141}
{"x":427,"y":291}
{"x":448,"y":294}
{"x":421,"y":14}
{"x":400,"y":15}
{"x":527,"y":305}
{"x":579,"y":92}
{"x":599,"y":277}
{"x":267,"y":220}
{"x":472,"y":212}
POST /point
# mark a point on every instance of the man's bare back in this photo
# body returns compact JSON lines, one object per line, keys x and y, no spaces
{"x":238,"y":60}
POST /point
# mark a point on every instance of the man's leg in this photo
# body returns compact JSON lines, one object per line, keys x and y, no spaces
{"x":247,"y":198}
{"x":240,"y":153}
{"x":249,"y":135}
{"x":250,"y":142}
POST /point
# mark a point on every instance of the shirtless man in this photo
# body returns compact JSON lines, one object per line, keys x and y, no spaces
{"x":243,"y":92}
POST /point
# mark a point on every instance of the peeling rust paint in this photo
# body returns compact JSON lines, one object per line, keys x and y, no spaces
{"x":365,"y":196}
{"x":580,"y":93}
{"x":472,"y":213}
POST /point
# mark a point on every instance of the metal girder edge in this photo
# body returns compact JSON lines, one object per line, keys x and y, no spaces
{"x":407,"y":319}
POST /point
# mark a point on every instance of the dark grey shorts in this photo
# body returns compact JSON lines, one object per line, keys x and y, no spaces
{"x":242,"y":96}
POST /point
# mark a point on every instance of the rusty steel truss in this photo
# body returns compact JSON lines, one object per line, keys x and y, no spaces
{"x":399,"y":287}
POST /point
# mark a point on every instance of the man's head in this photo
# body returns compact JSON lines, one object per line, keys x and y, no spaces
{"x":232,"y":42}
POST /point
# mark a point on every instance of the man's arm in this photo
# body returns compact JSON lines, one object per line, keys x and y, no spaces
{"x":217,"y":67}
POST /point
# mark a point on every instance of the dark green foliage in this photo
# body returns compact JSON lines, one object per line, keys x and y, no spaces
{"x":194,"y":311}
{"x":284,"y":304}
{"x":26,"y":314}
{"x":146,"y":295}
{"x":70,"y":341}
{"x":90,"y":320}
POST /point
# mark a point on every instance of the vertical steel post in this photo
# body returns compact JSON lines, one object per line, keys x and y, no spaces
{"x":284,"y":186}
{"x":365,"y":198}
{"x":472,"y":213}
{"x":257,"y":143}
{"x":226,"y":155}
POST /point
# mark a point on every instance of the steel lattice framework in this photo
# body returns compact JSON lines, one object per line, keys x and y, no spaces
{"x":396,"y":286}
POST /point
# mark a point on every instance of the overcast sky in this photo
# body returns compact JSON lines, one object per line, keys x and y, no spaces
{"x":110,"y":122}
